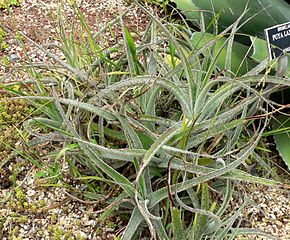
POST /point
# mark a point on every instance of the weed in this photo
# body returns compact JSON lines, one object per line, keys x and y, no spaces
{"x":20,"y":196}
{"x":8,"y":3}
{"x":3,"y":44}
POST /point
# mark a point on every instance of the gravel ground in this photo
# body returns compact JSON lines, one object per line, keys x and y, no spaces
{"x":37,"y":211}
{"x":268,"y":211}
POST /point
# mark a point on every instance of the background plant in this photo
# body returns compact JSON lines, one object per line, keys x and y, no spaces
{"x":249,"y":48}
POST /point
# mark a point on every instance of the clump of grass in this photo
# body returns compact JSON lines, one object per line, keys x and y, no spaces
{"x":154,"y":124}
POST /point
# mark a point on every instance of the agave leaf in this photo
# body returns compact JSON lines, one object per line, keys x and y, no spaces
{"x":180,"y":95}
{"x":95,"y":161}
{"x":250,"y":231}
{"x":177,"y":224}
{"x":222,"y":233}
{"x":162,"y":193}
{"x":283,"y":139}
{"x":200,"y":220}
{"x":135,"y":221}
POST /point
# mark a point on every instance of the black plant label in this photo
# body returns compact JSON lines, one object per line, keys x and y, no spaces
{"x":278,"y":39}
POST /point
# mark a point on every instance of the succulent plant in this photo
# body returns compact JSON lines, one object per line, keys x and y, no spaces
{"x":8,"y":3}
{"x":12,"y":114}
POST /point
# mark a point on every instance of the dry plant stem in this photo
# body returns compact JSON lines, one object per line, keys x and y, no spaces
{"x":88,"y":202}
{"x":96,"y":35}
{"x":270,"y":113}
{"x":115,"y":204}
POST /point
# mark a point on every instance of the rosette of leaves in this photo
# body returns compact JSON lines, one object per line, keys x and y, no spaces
{"x":12,"y":114}
{"x":164,"y":125}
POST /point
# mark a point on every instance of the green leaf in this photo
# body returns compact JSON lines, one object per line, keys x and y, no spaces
{"x":135,"y":221}
{"x":240,"y":61}
{"x":39,"y":175}
{"x":260,"y":52}
{"x":200,"y":220}
{"x":13,"y":2}
{"x":132,"y":50}
{"x":177,"y":225}
{"x":282,"y":140}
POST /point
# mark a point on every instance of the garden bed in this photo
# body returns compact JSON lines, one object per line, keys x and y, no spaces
{"x":38,"y":206}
